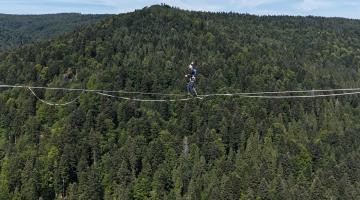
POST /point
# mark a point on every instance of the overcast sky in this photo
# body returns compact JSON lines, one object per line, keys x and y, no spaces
{"x":329,"y":8}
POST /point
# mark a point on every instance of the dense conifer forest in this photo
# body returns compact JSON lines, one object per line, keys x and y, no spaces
{"x":19,"y":30}
{"x":215,"y":148}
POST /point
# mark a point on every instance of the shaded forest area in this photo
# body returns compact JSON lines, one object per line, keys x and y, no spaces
{"x":218,"y":148}
{"x":19,"y":30}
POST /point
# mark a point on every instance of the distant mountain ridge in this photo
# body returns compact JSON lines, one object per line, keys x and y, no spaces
{"x":19,"y":30}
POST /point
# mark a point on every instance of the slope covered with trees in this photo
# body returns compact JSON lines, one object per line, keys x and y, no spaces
{"x":19,"y":30}
{"x":216,"y":148}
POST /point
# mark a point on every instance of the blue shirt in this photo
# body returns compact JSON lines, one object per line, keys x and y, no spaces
{"x":193,"y":72}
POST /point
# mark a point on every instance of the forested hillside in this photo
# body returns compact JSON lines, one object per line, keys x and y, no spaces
{"x":215,"y":148}
{"x":18,"y":30}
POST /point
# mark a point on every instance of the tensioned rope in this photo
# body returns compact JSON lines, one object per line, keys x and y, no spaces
{"x":283,"y":96}
{"x":145,"y":100}
{"x":167,"y":94}
{"x":89,"y":90}
{"x":262,"y":95}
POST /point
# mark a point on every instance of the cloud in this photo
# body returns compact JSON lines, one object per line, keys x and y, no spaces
{"x":53,"y":6}
{"x":309,"y":5}
{"x":251,"y":4}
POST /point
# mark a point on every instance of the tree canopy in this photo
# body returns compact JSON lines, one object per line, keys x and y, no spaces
{"x":218,"y":148}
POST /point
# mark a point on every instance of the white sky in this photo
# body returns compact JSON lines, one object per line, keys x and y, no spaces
{"x":328,"y":8}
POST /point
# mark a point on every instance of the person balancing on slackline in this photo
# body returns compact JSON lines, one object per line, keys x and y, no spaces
{"x":190,"y":87}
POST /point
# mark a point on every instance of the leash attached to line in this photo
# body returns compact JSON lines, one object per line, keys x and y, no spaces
{"x":50,"y":103}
